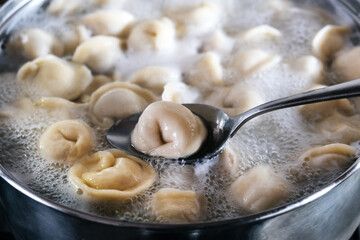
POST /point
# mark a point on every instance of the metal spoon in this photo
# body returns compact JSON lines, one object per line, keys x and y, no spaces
{"x":221,"y":126}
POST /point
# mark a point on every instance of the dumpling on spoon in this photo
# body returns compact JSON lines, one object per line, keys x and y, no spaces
{"x":167,"y":129}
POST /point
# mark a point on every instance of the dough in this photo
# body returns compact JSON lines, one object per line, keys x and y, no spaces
{"x":112,"y":174}
{"x":178,"y":206}
{"x":328,"y":41}
{"x":259,"y":189}
{"x":347,"y":64}
{"x":56,"y":77}
{"x":99,"y":53}
{"x":155,"y":78}
{"x":67,"y":140}
{"x":168,"y":130}
{"x":254,"y":60}
{"x":108,"y":22}
{"x":117,"y":100}
{"x":154,"y":35}
{"x":34,"y":42}
{"x":331,"y":156}
{"x":179,"y":92}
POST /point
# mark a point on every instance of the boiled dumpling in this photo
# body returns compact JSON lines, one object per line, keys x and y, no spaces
{"x":99,"y":53}
{"x":260,"y":33}
{"x":235,"y":99}
{"x":322,"y":110}
{"x":55,"y":76}
{"x":117,"y":100}
{"x":155,"y":35}
{"x":34,"y":42}
{"x":218,"y":42}
{"x":61,"y":108}
{"x":259,"y":189}
{"x":340,"y":128}
{"x":67,"y":140}
{"x":96,"y":83}
{"x":328,"y":41}
{"x":73,"y":36}
{"x":253,"y":60}
{"x":178,"y":206}
{"x":239,"y":99}
{"x":179,"y":92}
{"x":309,"y":66}
{"x":231,"y":161}
{"x":168,"y":130}
{"x":331,"y":156}
{"x":155,"y":78}
{"x":347,"y":64}
{"x":198,"y":20}
{"x":112,"y":174}
{"x":207,"y":72}
{"x":65,"y":7}
{"x":108,"y":22}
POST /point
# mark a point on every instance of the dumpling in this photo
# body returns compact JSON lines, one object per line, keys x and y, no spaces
{"x":112,"y":174}
{"x":99,"y":53}
{"x":309,"y":66}
{"x":61,"y":108}
{"x":239,"y":99}
{"x":259,"y":189}
{"x":55,"y":76}
{"x":331,"y":156}
{"x":198,"y":20}
{"x":218,"y":42}
{"x":319,"y":111}
{"x":254,"y":60}
{"x":178,"y":206}
{"x":73,"y":36}
{"x":155,"y":78}
{"x":347,"y":64}
{"x":155,"y":35}
{"x":179,"y":92}
{"x":260,"y":33}
{"x":67,"y":140}
{"x":168,"y":130}
{"x":96,"y":83}
{"x":34,"y":42}
{"x":108,"y":22}
{"x":65,"y":7}
{"x":117,"y":100}
{"x":207,"y":72}
{"x":328,"y":41}
{"x":230,"y":161}
{"x":340,"y":128}
{"x":235,"y":99}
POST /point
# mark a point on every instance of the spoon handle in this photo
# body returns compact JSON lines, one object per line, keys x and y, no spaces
{"x":342,"y":90}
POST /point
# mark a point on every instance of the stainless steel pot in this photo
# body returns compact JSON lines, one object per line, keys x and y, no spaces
{"x":331,"y":213}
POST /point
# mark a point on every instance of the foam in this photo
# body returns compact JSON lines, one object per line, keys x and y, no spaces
{"x":278,"y":137}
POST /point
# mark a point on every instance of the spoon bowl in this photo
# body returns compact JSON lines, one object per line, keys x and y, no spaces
{"x":222,"y":127}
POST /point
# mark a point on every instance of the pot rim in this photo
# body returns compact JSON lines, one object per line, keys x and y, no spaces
{"x":10,"y":8}
{"x":270,"y":213}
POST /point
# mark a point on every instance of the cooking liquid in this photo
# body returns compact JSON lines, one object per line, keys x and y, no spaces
{"x":276,"y":138}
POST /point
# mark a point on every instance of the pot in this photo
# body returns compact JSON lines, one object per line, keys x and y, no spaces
{"x":330,"y":213}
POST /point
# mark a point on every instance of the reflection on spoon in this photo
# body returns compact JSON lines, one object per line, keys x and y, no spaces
{"x":221,"y":126}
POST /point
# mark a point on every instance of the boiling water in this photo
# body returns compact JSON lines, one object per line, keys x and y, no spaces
{"x":276,"y":138}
